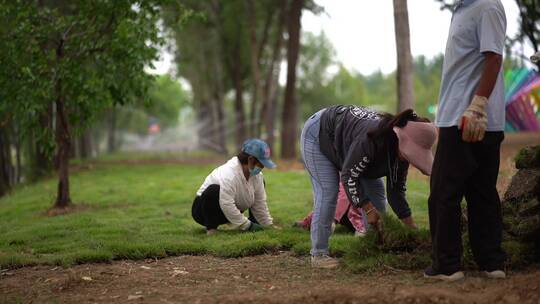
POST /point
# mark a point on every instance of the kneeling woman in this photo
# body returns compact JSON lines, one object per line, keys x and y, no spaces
{"x":364,"y":146}
{"x":234,"y":187}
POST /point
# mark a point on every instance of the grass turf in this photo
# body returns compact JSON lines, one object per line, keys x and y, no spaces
{"x":126,"y":211}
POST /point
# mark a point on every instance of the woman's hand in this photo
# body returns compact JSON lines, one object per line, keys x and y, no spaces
{"x":374,"y":219}
{"x":409,"y":221}
{"x":373,"y":216}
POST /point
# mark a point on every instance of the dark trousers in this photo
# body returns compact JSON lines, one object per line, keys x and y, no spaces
{"x":467,"y":170}
{"x":207,"y":212}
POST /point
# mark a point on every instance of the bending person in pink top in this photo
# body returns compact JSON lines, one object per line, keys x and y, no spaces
{"x":346,"y":214}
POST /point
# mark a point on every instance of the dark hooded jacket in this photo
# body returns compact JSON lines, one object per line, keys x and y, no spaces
{"x":344,"y":140}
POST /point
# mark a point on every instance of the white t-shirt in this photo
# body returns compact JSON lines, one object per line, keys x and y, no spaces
{"x":477,"y":26}
{"x":236,"y":194}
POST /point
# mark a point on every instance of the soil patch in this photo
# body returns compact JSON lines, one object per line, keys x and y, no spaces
{"x":279,"y":278}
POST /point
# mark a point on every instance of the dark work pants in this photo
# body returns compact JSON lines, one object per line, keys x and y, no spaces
{"x":466,"y":169}
{"x":206,"y":210}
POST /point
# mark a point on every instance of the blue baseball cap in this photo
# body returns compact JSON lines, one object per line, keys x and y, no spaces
{"x":260,"y":150}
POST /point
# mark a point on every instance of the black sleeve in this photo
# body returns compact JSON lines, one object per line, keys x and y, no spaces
{"x":356,"y":162}
{"x":396,"y":188}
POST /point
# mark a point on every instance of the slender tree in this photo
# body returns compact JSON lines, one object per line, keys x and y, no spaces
{"x":5,"y":163}
{"x":404,"y":57}
{"x":289,"y":119}
{"x":270,"y":93}
{"x":95,"y":57}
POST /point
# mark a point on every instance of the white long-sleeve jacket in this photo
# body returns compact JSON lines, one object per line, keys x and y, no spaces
{"x":236,"y":194}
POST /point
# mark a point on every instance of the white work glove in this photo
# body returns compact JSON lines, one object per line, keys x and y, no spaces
{"x":474,"y":120}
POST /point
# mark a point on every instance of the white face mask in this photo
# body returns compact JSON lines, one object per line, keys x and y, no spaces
{"x":255,"y":170}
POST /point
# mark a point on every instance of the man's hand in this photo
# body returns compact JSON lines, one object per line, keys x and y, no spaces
{"x":255,"y":227}
{"x":474,"y":120}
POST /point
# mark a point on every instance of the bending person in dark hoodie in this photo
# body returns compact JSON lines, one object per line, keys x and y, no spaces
{"x":364,"y":146}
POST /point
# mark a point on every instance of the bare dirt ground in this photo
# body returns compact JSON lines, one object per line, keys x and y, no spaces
{"x":272,"y":278}
{"x":279,"y":278}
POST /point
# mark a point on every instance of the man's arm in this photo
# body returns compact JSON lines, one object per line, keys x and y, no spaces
{"x":492,"y":67}
{"x":491,"y":31}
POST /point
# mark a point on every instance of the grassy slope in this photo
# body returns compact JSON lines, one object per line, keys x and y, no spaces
{"x":139,"y":211}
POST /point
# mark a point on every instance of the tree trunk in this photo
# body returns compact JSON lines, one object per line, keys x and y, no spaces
{"x":220,"y":112}
{"x":213,"y":124}
{"x":404,"y":57}
{"x":63,"y":146}
{"x":218,"y":95}
{"x":204,"y":130}
{"x":111,"y":138}
{"x":18,"y":165}
{"x":95,"y":140}
{"x":256,"y":51}
{"x":255,"y":71}
{"x":5,"y":162}
{"x":290,"y":104}
{"x":221,"y":126}
{"x":85,"y":145}
{"x":240,"y":128}
{"x":41,"y":163}
{"x":268,"y":109}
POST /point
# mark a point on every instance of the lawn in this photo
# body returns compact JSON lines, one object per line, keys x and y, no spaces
{"x":136,"y":211}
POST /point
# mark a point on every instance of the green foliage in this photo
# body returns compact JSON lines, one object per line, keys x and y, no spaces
{"x":316,"y":56}
{"x":528,"y":157}
{"x":427,"y":82}
{"x":318,"y":88}
{"x":91,"y":54}
{"x":529,"y":20}
{"x":166,"y":98}
{"x":23,"y":63}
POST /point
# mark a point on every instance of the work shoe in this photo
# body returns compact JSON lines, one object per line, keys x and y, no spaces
{"x":495,"y":274}
{"x":324,"y":261}
{"x":301,"y":224}
{"x":430,"y":273}
{"x":360,"y":234}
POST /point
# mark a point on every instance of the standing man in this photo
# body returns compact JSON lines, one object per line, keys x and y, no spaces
{"x":470,"y":118}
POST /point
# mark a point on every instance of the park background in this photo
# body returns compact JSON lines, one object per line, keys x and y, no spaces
{"x":113,"y":112}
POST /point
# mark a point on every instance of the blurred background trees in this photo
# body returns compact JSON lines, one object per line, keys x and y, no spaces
{"x":75,"y":80}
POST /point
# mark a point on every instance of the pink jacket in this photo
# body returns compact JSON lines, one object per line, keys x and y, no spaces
{"x":343,"y":206}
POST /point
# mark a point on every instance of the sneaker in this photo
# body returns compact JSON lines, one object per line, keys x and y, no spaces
{"x":324,"y":261}
{"x":300,"y":224}
{"x":211,"y":231}
{"x":495,"y":274}
{"x":430,"y":273}
{"x":360,"y":234}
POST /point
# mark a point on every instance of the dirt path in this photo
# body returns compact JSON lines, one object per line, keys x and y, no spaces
{"x":280,"y":278}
